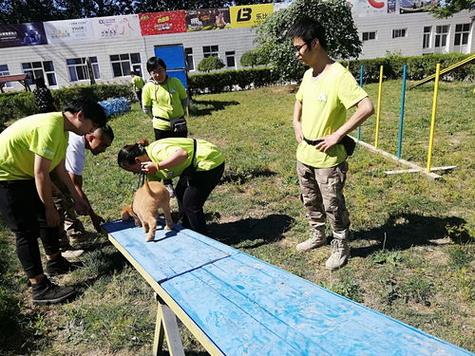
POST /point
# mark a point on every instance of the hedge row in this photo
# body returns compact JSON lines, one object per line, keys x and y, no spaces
{"x":418,"y":67}
{"x":228,"y":80}
{"x":19,"y":104}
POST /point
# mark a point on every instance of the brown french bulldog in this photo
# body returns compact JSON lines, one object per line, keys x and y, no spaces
{"x":144,"y":209}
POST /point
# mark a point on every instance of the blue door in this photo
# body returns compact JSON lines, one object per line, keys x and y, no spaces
{"x":174,"y":57}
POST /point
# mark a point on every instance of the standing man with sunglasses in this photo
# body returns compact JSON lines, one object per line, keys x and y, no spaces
{"x":327,"y":91}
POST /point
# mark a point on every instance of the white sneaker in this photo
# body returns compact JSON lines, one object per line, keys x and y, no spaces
{"x":170,"y":189}
{"x":72,"y":254}
{"x":340,"y":254}
{"x":313,"y":242}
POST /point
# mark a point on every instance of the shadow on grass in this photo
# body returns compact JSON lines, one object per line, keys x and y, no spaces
{"x":206,"y":107}
{"x":406,"y":230}
{"x":242,"y":177}
{"x":251,"y":233}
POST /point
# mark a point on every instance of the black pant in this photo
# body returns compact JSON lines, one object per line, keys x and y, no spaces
{"x":24,"y":213}
{"x":159,"y":134}
{"x":138,"y":93}
{"x":192,"y":192}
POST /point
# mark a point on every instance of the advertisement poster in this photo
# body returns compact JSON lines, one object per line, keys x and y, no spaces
{"x":25,"y":34}
{"x":69,"y":31}
{"x":207,"y":19}
{"x":116,"y":27}
{"x":411,"y":6}
{"x":250,"y":15}
{"x":363,"y":8}
{"x":156,"y":23}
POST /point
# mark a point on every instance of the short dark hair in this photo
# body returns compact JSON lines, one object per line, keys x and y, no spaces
{"x":308,"y":29}
{"x":91,"y":110}
{"x":106,"y":131}
{"x":128,"y":153}
{"x":154,"y":63}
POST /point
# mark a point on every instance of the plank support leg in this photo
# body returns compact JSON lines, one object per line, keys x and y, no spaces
{"x":166,"y":327}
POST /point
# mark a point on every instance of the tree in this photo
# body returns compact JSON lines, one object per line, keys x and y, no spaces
{"x":451,"y":7}
{"x":334,"y":15}
{"x":210,"y":63}
{"x":252,"y":58}
{"x":20,"y":11}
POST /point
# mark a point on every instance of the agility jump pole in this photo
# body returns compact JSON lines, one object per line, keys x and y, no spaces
{"x":400,"y":132}
{"x":358,"y":135}
{"x":378,"y":110}
{"x":413,"y":168}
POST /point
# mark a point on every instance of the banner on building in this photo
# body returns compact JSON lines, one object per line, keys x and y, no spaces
{"x":69,"y":31}
{"x":95,"y":29}
{"x":116,"y":27}
{"x":207,"y":19}
{"x":156,"y":23}
{"x":364,"y":8}
{"x":249,"y":15}
{"x":411,"y":6}
{"x":25,"y":34}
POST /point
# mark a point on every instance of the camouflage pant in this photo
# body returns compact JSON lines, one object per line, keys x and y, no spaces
{"x":322,"y":196}
{"x":70,"y":224}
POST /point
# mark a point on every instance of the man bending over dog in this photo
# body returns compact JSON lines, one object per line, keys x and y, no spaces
{"x":73,"y":232}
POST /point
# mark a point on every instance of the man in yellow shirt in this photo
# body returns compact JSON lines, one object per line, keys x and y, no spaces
{"x":327,"y":91}
{"x":30,"y":149}
{"x":138,"y":84}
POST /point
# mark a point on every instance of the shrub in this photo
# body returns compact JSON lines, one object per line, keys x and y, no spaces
{"x":418,"y":67}
{"x":227,"y":80}
{"x":20,"y":104}
{"x":253,"y":58}
{"x":210,"y":63}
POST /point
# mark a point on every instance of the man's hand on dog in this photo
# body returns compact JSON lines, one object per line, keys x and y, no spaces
{"x":149,"y":167}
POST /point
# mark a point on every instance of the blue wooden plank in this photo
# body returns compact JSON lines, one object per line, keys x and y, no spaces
{"x":297,"y":340}
{"x":343,"y":326}
{"x":170,"y":254}
{"x":233,"y":330}
{"x":207,"y":240}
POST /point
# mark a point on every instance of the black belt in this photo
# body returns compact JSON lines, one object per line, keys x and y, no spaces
{"x":167,"y":119}
{"x":346,"y":141}
{"x":312,"y":142}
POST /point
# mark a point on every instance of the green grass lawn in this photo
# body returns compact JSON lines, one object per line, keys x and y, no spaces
{"x":413,"y":255}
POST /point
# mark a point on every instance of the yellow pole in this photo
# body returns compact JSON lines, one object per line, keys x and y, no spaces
{"x":434,"y":113}
{"x":378,"y":113}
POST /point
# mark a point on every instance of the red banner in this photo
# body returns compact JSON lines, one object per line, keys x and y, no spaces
{"x":157,"y":23}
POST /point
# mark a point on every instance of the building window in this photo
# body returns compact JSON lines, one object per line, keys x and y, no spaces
{"x":462,"y":32}
{"x":401,"y":32}
{"x":426,"y":37}
{"x":230,"y":59}
{"x":43,"y":69}
{"x":4,"y":71}
{"x":441,"y":33}
{"x":122,"y":64}
{"x":190,"y":64}
{"x":369,"y":36}
{"x":209,"y":51}
{"x":78,"y":68}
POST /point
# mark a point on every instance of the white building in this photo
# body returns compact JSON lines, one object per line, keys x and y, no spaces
{"x":115,"y":45}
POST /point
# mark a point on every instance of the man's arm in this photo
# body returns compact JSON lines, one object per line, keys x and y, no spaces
{"x":297,"y":123}
{"x":364,"y":110}
{"x":81,"y":205}
{"x":96,"y":219}
{"x":44,"y":189}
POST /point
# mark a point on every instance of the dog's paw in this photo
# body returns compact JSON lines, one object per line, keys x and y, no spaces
{"x":168,"y":227}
